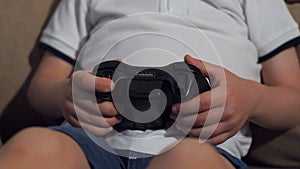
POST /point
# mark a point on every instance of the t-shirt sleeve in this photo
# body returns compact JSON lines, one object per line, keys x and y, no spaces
{"x":272,"y":29}
{"x":66,"y":30}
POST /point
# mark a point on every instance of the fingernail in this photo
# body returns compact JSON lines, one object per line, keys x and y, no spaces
{"x":110,"y":86}
{"x":175,"y":109}
{"x":109,"y":130}
{"x":187,"y":56}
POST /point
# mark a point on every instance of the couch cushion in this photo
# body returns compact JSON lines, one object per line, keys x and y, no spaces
{"x":275,"y":148}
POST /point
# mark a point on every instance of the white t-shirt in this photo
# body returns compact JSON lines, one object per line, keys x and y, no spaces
{"x":239,"y":34}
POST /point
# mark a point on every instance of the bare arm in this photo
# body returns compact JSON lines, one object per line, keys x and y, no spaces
{"x":279,"y":102}
{"x":49,"y":84}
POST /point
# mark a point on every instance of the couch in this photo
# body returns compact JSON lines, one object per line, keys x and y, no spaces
{"x":20,"y":25}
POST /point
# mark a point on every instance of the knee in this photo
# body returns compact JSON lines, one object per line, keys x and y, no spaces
{"x":35,"y":142}
{"x":192,"y":148}
{"x":189,"y":153}
{"x":40,"y":147}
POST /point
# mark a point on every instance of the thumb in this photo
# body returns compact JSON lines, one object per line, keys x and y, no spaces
{"x":206,"y":68}
{"x":215,"y":73}
{"x":201,"y":65}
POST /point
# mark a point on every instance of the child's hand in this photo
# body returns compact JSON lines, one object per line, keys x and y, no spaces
{"x":78,"y":106}
{"x":233,"y":102}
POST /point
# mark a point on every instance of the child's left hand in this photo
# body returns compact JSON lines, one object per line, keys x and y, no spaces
{"x":230,"y":103}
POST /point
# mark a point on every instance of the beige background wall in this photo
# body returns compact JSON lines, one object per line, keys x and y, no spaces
{"x":295,"y":11}
{"x":20,"y":24}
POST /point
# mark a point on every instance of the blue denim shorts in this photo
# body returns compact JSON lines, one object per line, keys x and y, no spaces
{"x":102,"y":159}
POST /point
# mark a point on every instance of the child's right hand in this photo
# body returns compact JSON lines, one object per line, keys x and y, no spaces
{"x":81,"y":111}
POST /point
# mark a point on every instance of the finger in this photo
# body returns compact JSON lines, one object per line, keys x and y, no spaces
{"x":96,"y":130}
{"x":105,"y":108}
{"x":87,"y":105}
{"x":97,"y":120}
{"x":197,"y":104}
{"x":206,"y":132}
{"x":77,"y":94}
{"x":216,"y":133}
{"x":207,"y":118}
{"x":93,"y":129}
{"x":88,"y":82}
{"x":70,"y":115}
{"x":220,"y":138}
{"x":205,"y":101}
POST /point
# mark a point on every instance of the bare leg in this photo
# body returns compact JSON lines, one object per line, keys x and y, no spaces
{"x":37,"y":148}
{"x":192,"y":155}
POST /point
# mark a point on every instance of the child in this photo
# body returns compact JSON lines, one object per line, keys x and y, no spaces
{"x":244,"y":32}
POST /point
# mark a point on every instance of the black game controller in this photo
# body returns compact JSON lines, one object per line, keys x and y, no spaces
{"x":136,"y":91}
